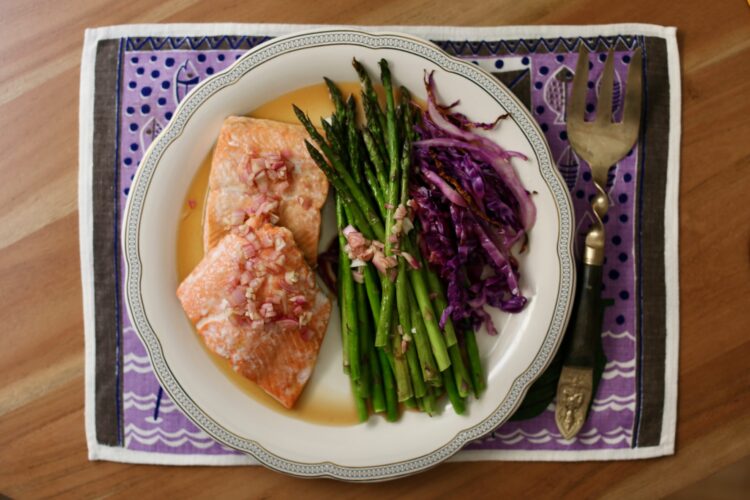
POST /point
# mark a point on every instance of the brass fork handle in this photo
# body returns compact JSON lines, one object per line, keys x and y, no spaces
{"x":575,"y":387}
{"x":587,"y":322}
{"x":594,"y":252}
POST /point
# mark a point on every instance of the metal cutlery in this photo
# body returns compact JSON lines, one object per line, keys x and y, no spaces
{"x":601,"y":143}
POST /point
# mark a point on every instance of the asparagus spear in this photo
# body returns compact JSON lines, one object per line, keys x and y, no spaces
{"x":420,"y":404}
{"x":430,"y":372}
{"x":362,"y":337}
{"x":461,"y":374}
{"x":378,"y":393}
{"x":373,"y":292}
{"x":400,"y":368}
{"x":375,"y":187}
{"x":348,"y":306}
{"x":334,"y":138}
{"x":343,"y":269}
{"x":371,"y":98}
{"x":374,"y":125}
{"x":402,"y":284}
{"x":339,"y":116}
{"x":386,"y":307}
{"x":417,"y":382}
{"x":475,"y":364}
{"x":405,"y":170}
{"x":406,"y":338}
{"x":437,"y":341}
{"x":391,"y":400}
{"x":353,"y":140}
{"x":340,"y":169}
{"x":428,"y":402}
{"x":459,"y":368}
{"x":336,"y":98}
{"x":455,"y":399}
{"x":390,"y":120}
{"x":360,"y":403}
{"x":376,"y":158}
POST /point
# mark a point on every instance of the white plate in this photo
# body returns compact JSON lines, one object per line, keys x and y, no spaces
{"x":375,"y":450}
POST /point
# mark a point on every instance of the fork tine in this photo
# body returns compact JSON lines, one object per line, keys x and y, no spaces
{"x":631,"y":117}
{"x":577,"y":102}
{"x":604,"y":106}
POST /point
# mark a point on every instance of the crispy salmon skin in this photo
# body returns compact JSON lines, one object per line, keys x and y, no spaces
{"x":255,"y":157}
{"x":253,"y":299}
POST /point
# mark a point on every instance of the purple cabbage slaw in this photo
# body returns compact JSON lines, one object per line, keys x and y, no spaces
{"x":472,"y":209}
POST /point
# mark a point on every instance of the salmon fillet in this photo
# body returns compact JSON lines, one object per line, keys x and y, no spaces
{"x":255,"y":157}
{"x":254,"y":301}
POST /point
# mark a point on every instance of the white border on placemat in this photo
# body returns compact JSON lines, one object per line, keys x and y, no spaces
{"x":86,"y":231}
{"x":85,"y":202}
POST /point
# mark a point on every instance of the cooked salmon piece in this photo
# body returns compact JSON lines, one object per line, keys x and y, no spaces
{"x":254,"y":301}
{"x":255,"y":157}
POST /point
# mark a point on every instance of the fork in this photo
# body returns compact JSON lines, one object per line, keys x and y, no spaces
{"x":601,"y":143}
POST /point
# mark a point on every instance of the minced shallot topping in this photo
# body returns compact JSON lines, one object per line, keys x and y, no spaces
{"x":262,"y":208}
{"x":291,"y":277}
{"x":361,"y":250}
{"x":265,"y":170}
{"x":402,"y":223}
{"x":409,"y":258}
{"x":266,"y":175}
{"x":262,"y":294}
{"x":383,"y":263}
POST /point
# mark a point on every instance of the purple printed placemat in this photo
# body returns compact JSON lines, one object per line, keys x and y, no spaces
{"x":145,"y":77}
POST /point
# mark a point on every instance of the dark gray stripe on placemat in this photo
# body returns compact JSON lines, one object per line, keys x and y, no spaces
{"x":652,"y":182}
{"x":105,"y":228}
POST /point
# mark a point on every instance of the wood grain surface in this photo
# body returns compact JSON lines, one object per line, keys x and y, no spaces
{"x":42,"y":444}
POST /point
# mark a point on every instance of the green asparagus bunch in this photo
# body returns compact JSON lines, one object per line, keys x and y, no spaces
{"x":394,"y":349}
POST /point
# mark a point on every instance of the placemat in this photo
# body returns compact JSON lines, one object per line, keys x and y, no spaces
{"x":133,"y":77}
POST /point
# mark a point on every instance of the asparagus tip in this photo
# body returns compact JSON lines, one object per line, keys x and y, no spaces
{"x":314,"y":153}
{"x":300,"y":114}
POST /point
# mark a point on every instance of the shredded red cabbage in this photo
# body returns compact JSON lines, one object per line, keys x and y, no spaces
{"x":472,"y":209}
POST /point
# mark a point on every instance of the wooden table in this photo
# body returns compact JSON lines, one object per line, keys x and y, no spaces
{"x":42,"y":445}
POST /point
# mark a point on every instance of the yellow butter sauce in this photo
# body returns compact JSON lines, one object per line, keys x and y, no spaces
{"x":315,"y":404}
